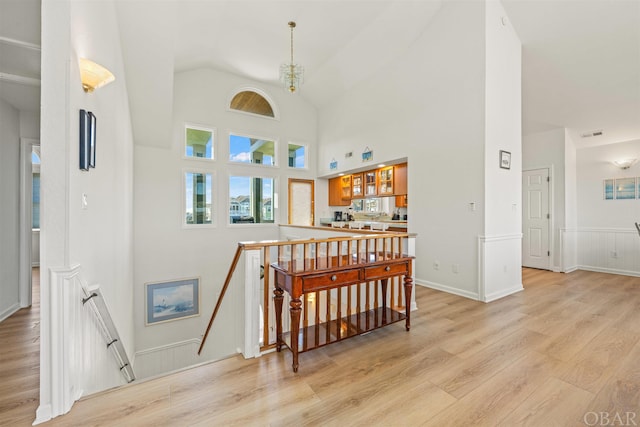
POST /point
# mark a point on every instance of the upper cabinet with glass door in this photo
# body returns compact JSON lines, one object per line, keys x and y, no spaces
{"x":356,"y":186}
{"x":345,"y":186}
{"x":370,"y":187}
{"x":385,"y":181}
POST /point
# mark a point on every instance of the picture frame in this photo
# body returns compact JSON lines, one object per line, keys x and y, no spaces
{"x":608,"y":189}
{"x":505,"y":159}
{"x":367,"y":154}
{"x":84,"y":139}
{"x":92,"y":140}
{"x":172,"y":300}
{"x":625,"y":188}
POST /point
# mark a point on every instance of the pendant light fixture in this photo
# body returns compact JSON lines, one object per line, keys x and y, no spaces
{"x":291,"y":74}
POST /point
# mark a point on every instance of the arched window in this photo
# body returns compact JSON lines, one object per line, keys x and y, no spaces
{"x":252,"y":102}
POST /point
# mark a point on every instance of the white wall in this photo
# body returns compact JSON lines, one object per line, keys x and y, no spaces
{"x":568,"y":236}
{"x":98,"y":238}
{"x":607,"y":238}
{"x":436,"y":117}
{"x":30,"y":124}
{"x":9,"y":209}
{"x":593,"y":166}
{"x":547,"y":150}
{"x":501,"y":246}
{"x":164,"y":250}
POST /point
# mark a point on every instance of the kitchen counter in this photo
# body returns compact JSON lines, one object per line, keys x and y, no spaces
{"x":392,"y":225}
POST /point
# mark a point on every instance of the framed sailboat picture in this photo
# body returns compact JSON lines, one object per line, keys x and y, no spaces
{"x":172,"y":300}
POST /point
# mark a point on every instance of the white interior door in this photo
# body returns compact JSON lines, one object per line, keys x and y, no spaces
{"x":536,"y":219}
{"x":301,"y":201}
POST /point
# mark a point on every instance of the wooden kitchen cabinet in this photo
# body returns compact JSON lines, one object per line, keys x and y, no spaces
{"x":335,"y":193}
{"x":385,"y":181}
{"x":370,"y":184}
{"x":400,"y":180}
{"x":356,"y":186}
{"x":345,"y":185}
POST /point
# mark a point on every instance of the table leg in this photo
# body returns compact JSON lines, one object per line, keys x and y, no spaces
{"x":277,"y":301}
{"x":408,"y":287}
{"x":295,"y":310}
{"x":383,"y":285}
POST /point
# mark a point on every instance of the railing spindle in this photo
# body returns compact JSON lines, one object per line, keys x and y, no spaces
{"x":317,"y":319}
{"x":328,"y":314}
{"x":339,"y":312}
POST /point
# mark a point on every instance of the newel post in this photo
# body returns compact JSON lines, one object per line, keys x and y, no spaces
{"x":252,"y":298}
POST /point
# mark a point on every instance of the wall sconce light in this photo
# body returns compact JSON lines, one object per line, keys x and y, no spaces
{"x":94,"y":75}
{"x":625,"y":163}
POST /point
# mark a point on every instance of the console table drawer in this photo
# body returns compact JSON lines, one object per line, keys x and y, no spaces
{"x":327,"y":280}
{"x":381,"y":271}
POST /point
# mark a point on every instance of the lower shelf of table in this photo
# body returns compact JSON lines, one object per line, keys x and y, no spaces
{"x":315,"y":336}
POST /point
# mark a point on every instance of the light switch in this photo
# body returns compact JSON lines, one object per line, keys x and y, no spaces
{"x":85,"y":202}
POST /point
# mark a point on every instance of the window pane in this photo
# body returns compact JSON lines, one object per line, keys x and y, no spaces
{"x":198,"y":201}
{"x":199,"y":142}
{"x":250,"y":200}
{"x":252,"y":102}
{"x":35,"y":210}
{"x":296,"y":156}
{"x":251,"y":150}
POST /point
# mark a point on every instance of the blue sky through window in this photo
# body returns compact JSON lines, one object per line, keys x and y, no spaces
{"x":240,"y":150}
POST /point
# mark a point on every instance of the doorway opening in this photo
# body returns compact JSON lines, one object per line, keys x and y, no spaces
{"x":29,"y":217}
{"x":301,"y":201}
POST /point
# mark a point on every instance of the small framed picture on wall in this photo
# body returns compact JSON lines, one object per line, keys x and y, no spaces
{"x":505,"y":159}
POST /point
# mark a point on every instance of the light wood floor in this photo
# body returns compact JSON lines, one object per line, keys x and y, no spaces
{"x":20,"y":362}
{"x":565,"y":348}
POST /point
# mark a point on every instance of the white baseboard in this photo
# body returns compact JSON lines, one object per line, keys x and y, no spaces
{"x":448,"y":289}
{"x":505,"y":292}
{"x":43,"y":414}
{"x":9,"y":311}
{"x":608,"y":270}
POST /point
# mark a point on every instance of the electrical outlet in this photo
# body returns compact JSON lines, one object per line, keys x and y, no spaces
{"x":436,"y":265}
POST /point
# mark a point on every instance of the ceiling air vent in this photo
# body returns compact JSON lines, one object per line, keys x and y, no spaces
{"x":592,"y":133}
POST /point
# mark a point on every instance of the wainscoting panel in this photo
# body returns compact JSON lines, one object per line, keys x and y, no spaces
{"x":499,"y":266}
{"x":568,"y":250}
{"x":167,"y":358}
{"x":609,"y":250}
{"x":75,"y":361}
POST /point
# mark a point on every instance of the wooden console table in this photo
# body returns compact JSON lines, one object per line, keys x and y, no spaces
{"x":298,"y":278}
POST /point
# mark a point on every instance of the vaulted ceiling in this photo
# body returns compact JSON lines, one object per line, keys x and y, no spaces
{"x":581,"y":59}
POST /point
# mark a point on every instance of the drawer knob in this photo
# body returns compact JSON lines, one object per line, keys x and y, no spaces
{"x":387,"y":268}
{"x":334,"y":278}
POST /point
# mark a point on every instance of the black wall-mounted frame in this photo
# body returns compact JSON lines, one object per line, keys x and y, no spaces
{"x":92,"y":140}
{"x":87,"y":140}
{"x":505,"y":159}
